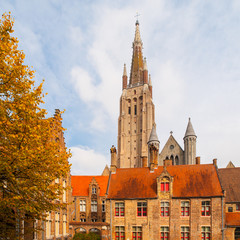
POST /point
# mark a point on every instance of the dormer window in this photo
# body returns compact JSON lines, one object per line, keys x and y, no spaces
{"x":164,"y":186}
{"x":94,"y":190}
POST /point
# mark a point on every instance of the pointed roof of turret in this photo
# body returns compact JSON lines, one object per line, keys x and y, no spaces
{"x":189,"y":130}
{"x":153,"y":136}
{"x":137,"y":38}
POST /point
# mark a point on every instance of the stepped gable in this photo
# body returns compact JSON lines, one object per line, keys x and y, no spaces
{"x":230,"y":179}
{"x":188,"y":181}
{"x":80,"y":185}
{"x":233,"y":219}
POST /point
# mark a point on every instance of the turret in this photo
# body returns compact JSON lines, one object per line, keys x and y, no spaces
{"x":124,"y":77}
{"x":190,"y":145}
{"x":153,"y":148}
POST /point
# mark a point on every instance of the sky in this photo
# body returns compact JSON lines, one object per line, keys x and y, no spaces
{"x":193,"y":55}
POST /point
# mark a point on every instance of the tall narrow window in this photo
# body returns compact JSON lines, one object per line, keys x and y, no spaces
{"x":164,"y":186}
{"x":164,"y":209}
{"x":48,"y":225}
{"x":129,"y":110}
{"x":82,"y":205}
{"x":93,"y":206}
{"x":184,"y":233}
{"x":64,"y":191}
{"x":137,"y":233}
{"x":142,"y":209}
{"x":120,"y":233}
{"x":119,"y":209}
{"x":238,"y":207}
{"x":64,"y":224}
{"x":135,"y":109}
{"x":57,"y":223}
{"x":205,"y":208}
{"x":185,"y":208}
{"x":206,"y":233}
{"x":103,"y":206}
{"x":164,"y":233}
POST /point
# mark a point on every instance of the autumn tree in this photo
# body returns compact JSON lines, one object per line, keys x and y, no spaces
{"x":31,"y":156}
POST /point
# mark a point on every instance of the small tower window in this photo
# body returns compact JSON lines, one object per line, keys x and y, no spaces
{"x":135,"y":91}
{"x":129,"y":110}
{"x":135,"y":109}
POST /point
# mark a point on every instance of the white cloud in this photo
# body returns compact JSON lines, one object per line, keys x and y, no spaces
{"x":86,"y":161}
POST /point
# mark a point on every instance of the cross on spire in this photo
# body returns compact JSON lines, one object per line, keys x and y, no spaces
{"x":136,"y":16}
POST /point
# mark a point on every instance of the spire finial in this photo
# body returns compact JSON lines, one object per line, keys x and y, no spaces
{"x":136,"y":16}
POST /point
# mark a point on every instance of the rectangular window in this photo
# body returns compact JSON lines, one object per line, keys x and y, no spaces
{"x":184,"y":233}
{"x":119,"y":209}
{"x":82,"y":205}
{"x":206,"y":233}
{"x":120,"y":233}
{"x":230,"y":209}
{"x":103,"y":206}
{"x":82,"y":219}
{"x":57,"y":223}
{"x":129,"y":110}
{"x":93,"y":206}
{"x":142,"y":209}
{"x":48,"y":225}
{"x":137,"y":233}
{"x":64,"y":224}
{"x":164,"y":233}
{"x":164,"y":186}
{"x":94,"y":190}
{"x":94,"y":219}
{"x":164,"y":209}
{"x":185,"y":208}
{"x":205,"y":208}
{"x":238,"y":207}
{"x":135,"y":109}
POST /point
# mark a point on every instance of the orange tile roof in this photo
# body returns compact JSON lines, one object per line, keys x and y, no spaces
{"x":188,"y":181}
{"x":230,"y":179}
{"x":80,"y":184}
{"x":233,"y":219}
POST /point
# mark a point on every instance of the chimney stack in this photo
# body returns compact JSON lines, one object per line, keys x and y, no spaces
{"x":167,"y":162}
{"x":144,"y":161}
{"x":113,"y":166}
{"x":198,"y":160}
{"x":215,"y":162}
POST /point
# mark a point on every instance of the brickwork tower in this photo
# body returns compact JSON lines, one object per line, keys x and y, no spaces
{"x":136,"y":117}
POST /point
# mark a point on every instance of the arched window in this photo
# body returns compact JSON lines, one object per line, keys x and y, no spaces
{"x":167,"y":157}
{"x":172,"y":158}
{"x":176,"y":160}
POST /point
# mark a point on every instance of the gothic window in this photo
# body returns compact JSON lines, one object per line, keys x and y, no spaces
{"x":164,"y":209}
{"x":184,"y":233}
{"x":137,"y":233}
{"x":167,"y":157}
{"x":142,"y":209}
{"x":185,"y":208}
{"x":176,"y":160}
{"x":119,"y":209}
{"x":129,"y":110}
{"x":206,"y":233}
{"x":205,"y":208}
{"x":135,"y":109}
{"x":135,"y":91}
{"x":164,"y":233}
{"x":57,"y":223}
{"x":172,"y":158}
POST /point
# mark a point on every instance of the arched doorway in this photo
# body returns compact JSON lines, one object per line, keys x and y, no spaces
{"x":237,"y":233}
{"x":80,"y":230}
{"x":95,"y":230}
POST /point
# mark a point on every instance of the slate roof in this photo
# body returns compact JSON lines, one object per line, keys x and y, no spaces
{"x":80,"y":185}
{"x":233,"y":219}
{"x":230,"y":180}
{"x":188,"y":181}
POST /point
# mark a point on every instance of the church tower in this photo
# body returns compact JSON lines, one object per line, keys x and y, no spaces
{"x":136,"y":116}
{"x":190,"y":145}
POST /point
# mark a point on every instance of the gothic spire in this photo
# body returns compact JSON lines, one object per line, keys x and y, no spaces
{"x":136,"y":76}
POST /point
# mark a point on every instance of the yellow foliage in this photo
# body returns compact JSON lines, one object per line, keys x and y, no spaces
{"x":30,"y":158}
